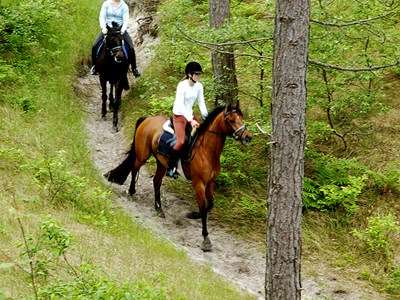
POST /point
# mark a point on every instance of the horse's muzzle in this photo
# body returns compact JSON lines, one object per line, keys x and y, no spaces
{"x":246,"y":137}
{"x":242,"y":135}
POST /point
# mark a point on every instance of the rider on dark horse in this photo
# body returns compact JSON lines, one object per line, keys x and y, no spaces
{"x":114,"y":11}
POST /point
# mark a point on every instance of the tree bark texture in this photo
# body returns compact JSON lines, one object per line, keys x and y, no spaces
{"x":283,"y":257}
{"x":223,"y":64}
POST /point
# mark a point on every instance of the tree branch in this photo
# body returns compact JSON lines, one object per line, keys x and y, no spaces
{"x":360,"y":22}
{"x":213,"y":47}
{"x":336,"y":67}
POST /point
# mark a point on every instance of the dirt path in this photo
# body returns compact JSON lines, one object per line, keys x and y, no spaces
{"x":240,"y":262}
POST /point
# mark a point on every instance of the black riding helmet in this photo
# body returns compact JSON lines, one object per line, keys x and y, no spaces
{"x":193,"y":68}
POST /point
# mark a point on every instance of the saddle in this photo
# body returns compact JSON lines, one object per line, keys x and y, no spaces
{"x":168,"y":140}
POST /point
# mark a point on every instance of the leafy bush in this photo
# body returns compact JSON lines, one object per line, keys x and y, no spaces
{"x":393,"y":175}
{"x":27,"y":24}
{"x":63,"y":186}
{"x":335,"y":185}
{"x":394,"y":285}
{"x":334,"y":196}
{"x":88,"y":284}
{"x":380,"y":235}
{"x":44,"y":252}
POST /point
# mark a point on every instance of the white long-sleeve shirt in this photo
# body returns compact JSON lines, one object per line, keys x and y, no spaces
{"x":186,"y":96}
{"x":120,"y":15}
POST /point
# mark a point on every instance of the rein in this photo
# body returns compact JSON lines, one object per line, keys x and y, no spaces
{"x":236,"y":134}
{"x":115,"y":49}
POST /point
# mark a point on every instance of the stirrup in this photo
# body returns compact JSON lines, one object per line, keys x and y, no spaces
{"x":93,"y":71}
{"x":171,"y":172}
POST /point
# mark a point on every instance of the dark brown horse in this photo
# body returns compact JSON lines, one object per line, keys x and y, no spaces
{"x":202,"y":168}
{"x":112,"y":65}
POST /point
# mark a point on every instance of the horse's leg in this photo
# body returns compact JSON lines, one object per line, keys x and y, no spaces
{"x":210,"y":202}
{"x":111,"y":98}
{"x":116,"y":104}
{"x":157,"y":180}
{"x":210,"y":196}
{"x":201,"y":197}
{"x":103,"y":84}
{"x":136,"y":166}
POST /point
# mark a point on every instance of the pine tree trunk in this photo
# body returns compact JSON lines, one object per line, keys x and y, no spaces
{"x":283,"y":269}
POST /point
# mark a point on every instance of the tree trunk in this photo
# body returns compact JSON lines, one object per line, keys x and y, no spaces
{"x":283,"y":258}
{"x":223,"y":64}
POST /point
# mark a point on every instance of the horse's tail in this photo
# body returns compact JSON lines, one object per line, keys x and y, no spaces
{"x":120,"y":173}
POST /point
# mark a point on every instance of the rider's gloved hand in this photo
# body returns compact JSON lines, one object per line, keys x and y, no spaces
{"x":104,"y":31}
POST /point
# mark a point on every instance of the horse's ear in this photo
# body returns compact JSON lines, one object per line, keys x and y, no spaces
{"x":237,"y":105}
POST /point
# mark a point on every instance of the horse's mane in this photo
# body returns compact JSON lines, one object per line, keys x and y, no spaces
{"x":208,"y":120}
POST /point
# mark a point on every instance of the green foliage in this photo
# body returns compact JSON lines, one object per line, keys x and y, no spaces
{"x":42,"y":251}
{"x":393,"y":175}
{"x":88,"y":284}
{"x":26,"y":25}
{"x":318,"y":132}
{"x":394,"y":285}
{"x":224,"y":181}
{"x":253,"y":208}
{"x":53,"y":175}
{"x":332,"y":197}
{"x":380,"y":234}
{"x":161,"y":106}
{"x":45,"y":250}
{"x":149,"y":87}
{"x":11,"y":158}
{"x":183,"y":19}
{"x":7,"y":73}
{"x":336,"y":184}
{"x":339,"y":38}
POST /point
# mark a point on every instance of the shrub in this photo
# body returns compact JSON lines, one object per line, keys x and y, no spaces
{"x":379,"y":235}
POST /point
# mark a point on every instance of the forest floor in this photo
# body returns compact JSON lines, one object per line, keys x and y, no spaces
{"x":239,"y":261}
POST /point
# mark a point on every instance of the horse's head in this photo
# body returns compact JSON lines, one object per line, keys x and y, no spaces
{"x":114,"y":42}
{"x":233,"y":117}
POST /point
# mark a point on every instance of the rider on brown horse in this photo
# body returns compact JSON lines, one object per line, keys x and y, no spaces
{"x":188,"y":91}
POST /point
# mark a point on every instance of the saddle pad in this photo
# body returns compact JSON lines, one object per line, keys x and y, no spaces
{"x":99,"y":48}
{"x":165,"y":144}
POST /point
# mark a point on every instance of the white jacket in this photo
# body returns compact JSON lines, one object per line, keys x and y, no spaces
{"x":186,"y":96}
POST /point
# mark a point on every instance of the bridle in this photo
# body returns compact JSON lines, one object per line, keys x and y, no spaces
{"x":114,"y":50}
{"x":238,"y":133}
{"x":235,"y":134}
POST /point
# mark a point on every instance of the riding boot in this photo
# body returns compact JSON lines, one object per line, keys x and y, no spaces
{"x":132,"y":61}
{"x":173,"y":160}
{"x":93,"y":70}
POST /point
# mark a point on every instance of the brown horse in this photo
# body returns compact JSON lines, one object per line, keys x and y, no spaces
{"x":202,"y":168}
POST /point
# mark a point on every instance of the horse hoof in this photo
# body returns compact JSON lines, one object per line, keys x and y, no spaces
{"x":206,"y":245}
{"x":115,"y":129}
{"x":193,"y":215}
{"x":161,"y":214}
{"x":103,"y":118}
